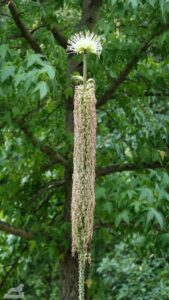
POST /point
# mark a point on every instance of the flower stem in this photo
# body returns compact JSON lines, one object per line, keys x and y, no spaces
{"x":81,"y":275}
{"x":84,"y":68}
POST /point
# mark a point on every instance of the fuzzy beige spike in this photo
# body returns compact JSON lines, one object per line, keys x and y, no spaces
{"x":83,"y":191}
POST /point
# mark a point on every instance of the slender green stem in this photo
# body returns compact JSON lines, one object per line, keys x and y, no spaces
{"x":82,"y":263}
{"x":81,"y":254}
{"x":84,"y":68}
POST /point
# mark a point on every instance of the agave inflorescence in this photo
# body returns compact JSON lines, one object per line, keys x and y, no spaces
{"x":83,"y":190}
{"x":83,"y":194}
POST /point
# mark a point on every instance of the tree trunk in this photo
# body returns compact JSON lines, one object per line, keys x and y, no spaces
{"x":68,"y":266}
{"x":69,"y":278}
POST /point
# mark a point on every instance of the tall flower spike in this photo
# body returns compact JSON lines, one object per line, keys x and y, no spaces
{"x":83,"y":189}
{"x":84,"y":42}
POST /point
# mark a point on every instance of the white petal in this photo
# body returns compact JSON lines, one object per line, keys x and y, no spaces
{"x":84,"y":42}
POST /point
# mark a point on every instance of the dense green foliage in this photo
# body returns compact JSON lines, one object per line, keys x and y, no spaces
{"x":131,"y":236}
{"x":128,"y":276}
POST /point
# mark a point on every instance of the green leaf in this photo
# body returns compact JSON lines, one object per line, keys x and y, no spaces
{"x":100,"y":193}
{"x":152,"y":2}
{"x":30,"y":79}
{"x":7,"y":71}
{"x":19,"y":76}
{"x":163,"y":195}
{"x":131,"y":194}
{"x":108,"y":207}
{"x":49,"y":70}
{"x":146,"y":194}
{"x":3,"y":51}
{"x":16,"y":111}
{"x":113,"y":2}
{"x":154,"y":214}
{"x":136,"y":204}
{"x":32,"y":245}
{"x":123,"y":216}
{"x":42,"y":87}
{"x":165,"y":179}
{"x":34,"y":59}
{"x":162,"y":2}
{"x":128,"y":152}
{"x":134,"y":3}
{"x":164,"y":238}
{"x":164,"y":6}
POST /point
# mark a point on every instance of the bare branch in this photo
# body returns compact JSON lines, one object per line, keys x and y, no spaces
{"x":147,"y":94}
{"x":90,"y":12}
{"x":109,"y":93}
{"x":123,"y":225}
{"x":51,"y":185}
{"x":157,"y":93}
{"x":59,"y":38}
{"x":25,"y":33}
{"x":129,"y":167}
{"x":133,"y":62}
{"x":16,"y":231}
{"x":54,"y":156}
{"x":103,"y":225}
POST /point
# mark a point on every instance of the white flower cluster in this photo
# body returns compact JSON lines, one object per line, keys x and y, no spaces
{"x":84,"y":42}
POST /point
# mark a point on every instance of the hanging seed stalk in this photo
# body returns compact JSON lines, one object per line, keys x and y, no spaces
{"x":83,"y":190}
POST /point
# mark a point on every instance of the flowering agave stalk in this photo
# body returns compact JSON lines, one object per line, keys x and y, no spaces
{"x":83,"y":191}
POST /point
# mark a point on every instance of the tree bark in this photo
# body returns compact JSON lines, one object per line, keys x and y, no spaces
{"x":68,"y":278}
{"x":68,"y":265}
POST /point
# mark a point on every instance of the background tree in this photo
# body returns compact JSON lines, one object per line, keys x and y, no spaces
{"x":36,"y":142}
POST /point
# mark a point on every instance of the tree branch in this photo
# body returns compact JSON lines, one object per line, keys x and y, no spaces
{"x":157,"y":94}
{"x":12,"y":267}
{"x":25,"y":33}
{"x":103,"y":225}
{"x":53,"y":184}
{"x":16,"y":231}
{"x":62,"y":41}
{"x":148,"y":93}
{"x":109,"y":93}
{"x":128,"y":167}
{"x":123,"y":225}
{"x":59,"y":37}
{"x":132,"y":63}
{"x":90,"y":12}
{"x":54,"y":156}
{"x":46,"y":149}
